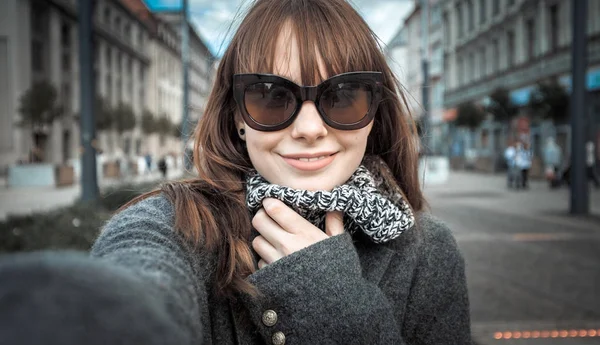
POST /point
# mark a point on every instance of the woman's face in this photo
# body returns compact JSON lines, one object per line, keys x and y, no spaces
{"x":308,"y":154}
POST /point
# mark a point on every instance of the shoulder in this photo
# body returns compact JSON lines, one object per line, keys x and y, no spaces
{"x":150,"y":218}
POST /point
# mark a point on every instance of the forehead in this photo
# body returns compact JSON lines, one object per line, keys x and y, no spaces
{"x":287,"y":60}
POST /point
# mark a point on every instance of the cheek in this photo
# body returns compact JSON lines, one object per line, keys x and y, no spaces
{"x":259,"y":144}
{"x":355,"y":141}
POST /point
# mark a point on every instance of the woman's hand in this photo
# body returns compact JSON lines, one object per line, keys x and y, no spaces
{"x":283,"y":231}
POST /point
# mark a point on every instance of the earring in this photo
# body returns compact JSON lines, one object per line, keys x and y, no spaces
{"x":242,"y":131}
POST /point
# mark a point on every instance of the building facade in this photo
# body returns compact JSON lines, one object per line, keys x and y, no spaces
{"x":405,"y":56}
{"x":514,"y":44}
{"x":200,"y":65}
{"x":137,"y":63}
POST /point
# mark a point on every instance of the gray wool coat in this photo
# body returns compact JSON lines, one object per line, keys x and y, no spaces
{"x":342,"y":290}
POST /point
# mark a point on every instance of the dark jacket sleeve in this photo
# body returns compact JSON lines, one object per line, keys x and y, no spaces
{"x":321,"y":297}
{"x":141,"y":239}
{"x":437,"y":310}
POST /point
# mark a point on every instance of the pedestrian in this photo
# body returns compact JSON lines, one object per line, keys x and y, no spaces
{"x":590,"y":160}
{"x":163,"y":166}
{"x":523,"y":164}
{"x":148,"y":159}
{"x":552,"y":161}
{"x":306,"y":223}
{"x":511,"y":174}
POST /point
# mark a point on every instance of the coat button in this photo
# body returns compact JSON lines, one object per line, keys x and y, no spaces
{"x":269,"y":318}
{"x":278,"y":338}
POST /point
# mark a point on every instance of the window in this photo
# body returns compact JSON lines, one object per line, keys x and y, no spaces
{"x":108,"y":57}
{"x":66,"y":62}
{"x":460,"y":72}
{"x":127,"y":32}
{"x":37,"y":55}
{"x":496,"y":8}
{"x":117,"y":24}
{"x":510,"y":47}
{"x":496,"y":55}
{"x":554,"y":27}
{"x":107,"y":15}
{"x":459,"y":21}
{"x":530,"y":32}
{"x":482,"y":62}
{"x":65,"y":35}
{"x":471,"y":15}
{"x":471,"y":67}
{"x":435,"y":14}
{"x":446,"y":24}
{"x":482,"y":10}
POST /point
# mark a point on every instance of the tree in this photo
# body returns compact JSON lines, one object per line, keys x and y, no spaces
{"x":501,"y":106}
{"x":550,"y":100}
{"x":165,"y":126}
{"x":39,"y":107}
{"x":124,"y":118}
{"x":104,"y":114}
{"x":469,"y":115}
{"x":149,"y":122}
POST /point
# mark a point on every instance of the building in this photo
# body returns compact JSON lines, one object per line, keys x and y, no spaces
{"x":514,"y":44}
{"x":51,"y":54}
{"x":137,"y":65}
{"x":405,"y":56}
{"x":200,"y":65}
{"x":165,"y":77}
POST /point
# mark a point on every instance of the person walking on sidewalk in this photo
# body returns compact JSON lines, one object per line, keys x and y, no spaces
{"x":512,"y":178}
{"x":306,"y":223}
{"x":590,"y":160}
{"x":552,"y":161}
{"x":523,"y":164}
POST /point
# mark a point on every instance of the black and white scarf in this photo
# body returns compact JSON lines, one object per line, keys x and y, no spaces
{"x":368,"y":204}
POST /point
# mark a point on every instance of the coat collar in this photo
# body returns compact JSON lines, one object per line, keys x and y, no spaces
{"x":374,"y":259}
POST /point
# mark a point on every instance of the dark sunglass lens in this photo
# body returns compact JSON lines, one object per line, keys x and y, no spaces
{"x":269,"y":104}
{"x":347,"y":103}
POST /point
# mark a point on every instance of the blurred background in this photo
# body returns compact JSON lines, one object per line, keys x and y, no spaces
{"x":98,"y":97}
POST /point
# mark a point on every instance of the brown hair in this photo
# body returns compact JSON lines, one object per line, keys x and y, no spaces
{"x":210,"y":210}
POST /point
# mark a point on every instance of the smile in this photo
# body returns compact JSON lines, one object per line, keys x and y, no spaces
{"x":308,"y":162}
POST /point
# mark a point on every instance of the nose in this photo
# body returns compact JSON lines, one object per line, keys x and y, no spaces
{"x":308,"y":125}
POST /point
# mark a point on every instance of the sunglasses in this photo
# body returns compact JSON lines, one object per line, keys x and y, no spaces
{"x":346,"y":101}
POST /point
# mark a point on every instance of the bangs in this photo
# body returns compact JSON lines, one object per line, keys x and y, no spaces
{"x":330,"y":39}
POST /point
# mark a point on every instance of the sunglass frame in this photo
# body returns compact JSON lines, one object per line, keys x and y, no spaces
{"x":308,"y":93}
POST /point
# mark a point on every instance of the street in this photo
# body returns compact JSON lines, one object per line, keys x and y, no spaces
{"x":532,"y":269}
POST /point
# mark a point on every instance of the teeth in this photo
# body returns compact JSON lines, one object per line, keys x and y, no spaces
{"x":310,"y":159}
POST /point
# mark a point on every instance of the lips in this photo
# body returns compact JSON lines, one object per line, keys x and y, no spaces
{"x":309,"y":161}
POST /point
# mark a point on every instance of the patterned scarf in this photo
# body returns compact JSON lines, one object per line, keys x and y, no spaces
{"x":367,"y":201}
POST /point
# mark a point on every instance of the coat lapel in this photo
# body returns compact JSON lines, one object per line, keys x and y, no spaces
{"x":374,"y":259}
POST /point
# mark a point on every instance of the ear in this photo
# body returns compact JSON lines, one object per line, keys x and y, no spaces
{"x":240,"y":126}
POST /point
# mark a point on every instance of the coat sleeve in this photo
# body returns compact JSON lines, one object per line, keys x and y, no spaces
{"x":437,"y":310}
{"x":141,"y":239}
{"x":319,"y":296}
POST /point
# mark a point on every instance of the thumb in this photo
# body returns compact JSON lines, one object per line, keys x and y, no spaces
{"x":334,"y":224}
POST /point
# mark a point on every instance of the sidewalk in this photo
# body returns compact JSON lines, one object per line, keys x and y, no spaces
{"x":22,"y":201}
{"x":489,"y":191}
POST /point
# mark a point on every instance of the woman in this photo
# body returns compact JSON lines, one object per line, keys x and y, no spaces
{"x":306,"y":224}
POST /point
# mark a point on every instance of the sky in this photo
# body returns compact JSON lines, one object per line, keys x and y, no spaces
{"x":212,"y":18}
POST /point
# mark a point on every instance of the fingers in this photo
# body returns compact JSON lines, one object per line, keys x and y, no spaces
{"x":283,"y":215}
{"x":261,"y":264}
{"x":334,"y":224}
{"x":268,"y":228}
{"x":267,"y":252}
